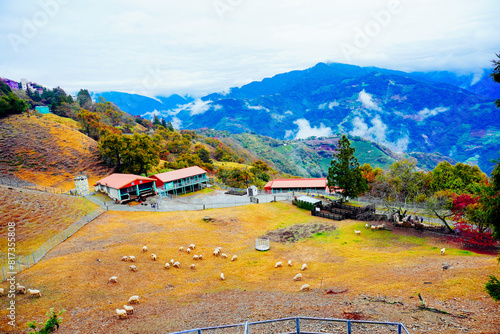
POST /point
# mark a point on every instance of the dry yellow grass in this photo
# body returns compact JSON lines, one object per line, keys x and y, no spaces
{"x":374,"y":263}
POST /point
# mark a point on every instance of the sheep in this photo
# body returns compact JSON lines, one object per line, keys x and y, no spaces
{"x":373,"y":227}
{"x":122,"y":314}
{"x":298,"y":277}
{"x":278,"y":265}
{"x":172,"y":261}
{"x":125,"y":258}
{"x":216,"y":252}
{"x":144,"y":249}
{"x":289,"y":263}
{"x":133,"y":300}
{"x":195,"y":257}
{"x":305,"y":287}
{"x":443,"y":250}
{"x":131,"y":258}
{"x":380,"y":227}
{"x":20,"y":289}
{"x":2,"y":291}
{"x":192,"y":266}
{"x":200,"y":257}
{"x":222,"y":277}
{"x":188,"y":250}
{"x":357,"y":232}
{"x":112,"y":279}
{"x":34,"y":293}
{"x":304,"y":267}
{"x":223,"y":255}
{"x":132,"y":268}
{"x":234,"y":258}
{"x":177,"y":264}
{"x":167,"y":265}
{"x":181,"y":249}
{"x":192,"y":246}
{"x":367,"y":226}
{"x":129,"y":309}
{"x":153,"y":257}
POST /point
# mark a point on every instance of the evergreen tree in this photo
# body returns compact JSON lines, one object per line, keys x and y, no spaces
{"x":84,"y":100}
{"x":344,"y":171}
{"x":163,"y":123}
{"x":496,"y":74}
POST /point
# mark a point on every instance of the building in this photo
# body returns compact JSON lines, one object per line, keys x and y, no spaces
{"x":298,"y":185}
{"x":126,"y":187}
{"x":181,"y":181}
{"x":11,"y":83}
{"x":42,"y":110}
{"x":308,"y":203}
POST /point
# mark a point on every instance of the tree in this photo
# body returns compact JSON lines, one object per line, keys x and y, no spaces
{"x":139,"y":154}
{"x":344,"y":171}
{"x":493,"y":288}
{"x":110,"y":147}
{"x":460,"y":178}
{"x":11,"y":104}
{"x":496,"y":74}
{"x":440,"y":205}
{"x":83,"y":99}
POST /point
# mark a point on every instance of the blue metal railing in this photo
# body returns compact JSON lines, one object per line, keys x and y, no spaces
{"x":399,"y":327}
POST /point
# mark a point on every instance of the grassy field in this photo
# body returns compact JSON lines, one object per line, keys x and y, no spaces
{"x":380,"y":263}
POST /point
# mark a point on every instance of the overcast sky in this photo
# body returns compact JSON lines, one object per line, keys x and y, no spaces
{"x":195,"y":47}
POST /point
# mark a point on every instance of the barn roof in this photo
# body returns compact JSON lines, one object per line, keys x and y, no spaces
{"x":118,"y":181}
{"x":179,"y":174}
{"x":297,"y":183}
{"x":308,"y":199}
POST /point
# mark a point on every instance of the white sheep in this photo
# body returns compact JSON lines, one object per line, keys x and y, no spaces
{"x":122,"y":314}
{"x":125,"y":258}
{"x":34,"y":293}
{"x":367,"y":226}
{"x":373,"y":227}
{"x":132,"y":268}
{"x":144,"y":249}
{"x":181,"y":249}
{"x":188,"y":250}
{"x":298,"y":277}
{"x":192,"y":246}
{"x":133,"y":300}
{"x":223,"y":255}
{"x":278,"y":265}
{"x":112,"y":279}
{"x":153,"y":257}
{"x":200,"y":257}
{"x":192,"y":267}
{"x":305,"y":287}
{"x":289,"y":263}
{"x":222,"y":277}
{"x":357,"y":232}
{"x":234,"y":258}
{"x":167,"y":265}
{"x":443,"y":250}
{"x":216,"y":252}
{"x":195,"y":257}
{"x":177,"y":264}
{"x":20,"y":289}
{"x":129,"y":309}
{"x":2,"y":291}
{"x":380,"y":227}
{"x":304,"y":267}
{"x":172,"y":261}
{"x":131,"y":258}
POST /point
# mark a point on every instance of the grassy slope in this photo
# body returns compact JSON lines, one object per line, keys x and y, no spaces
{"x":48,"y":151}
{"x":373,"y":263}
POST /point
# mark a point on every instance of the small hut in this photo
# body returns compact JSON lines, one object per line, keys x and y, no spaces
{"x":252,"y":191}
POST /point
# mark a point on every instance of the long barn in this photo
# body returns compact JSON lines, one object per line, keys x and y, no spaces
{"x":297,"y":185}
{"x":126,"y":187}
{"x":182,"y":180}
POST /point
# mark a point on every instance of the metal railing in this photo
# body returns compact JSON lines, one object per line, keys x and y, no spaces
{"x":304,"y":325}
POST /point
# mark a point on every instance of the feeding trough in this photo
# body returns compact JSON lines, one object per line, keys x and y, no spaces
{"x":262,"y":244}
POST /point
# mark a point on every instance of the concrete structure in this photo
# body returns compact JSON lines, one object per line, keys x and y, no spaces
{"x":82,"y":185}
{"x":299,"y":185}
{"x":42,"y":110}
{"x":181,"y":181}
{"x":126,"y":187}
{"x":252,"y":191}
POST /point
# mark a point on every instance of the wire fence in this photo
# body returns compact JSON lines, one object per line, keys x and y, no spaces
{"x":26,"y":261}
{"x":9,"y":182}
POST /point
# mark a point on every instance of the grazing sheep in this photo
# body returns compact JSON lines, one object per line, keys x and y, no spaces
{"x":192,"y":267}
{"x":125,"y":258}
{"x":177,"y":264}
{"x":133,"y":300}
{"x":132,"y":268}
{"x":195,"y":257}
{"x":298,"y":277}
{"x":131,"y":258}
{"x":129,"y":309}
{"x":373,"y":227}
{"x":172,"y":261}
{"x":167,"y":265}
{"x":181,"y":249}
{"x":234,"y":258}
{"x":122,"y":314}
{"x":367,"y":226}
{"x":289,"y":263}
{"x":304,"y":267}
{"x":153,"y":257}
{"x":278,"y":265}
{"x":2,"y":291}
{"x":443,"y":250}
{"x":305,"y":287}
{"x":34,"y":293}
{"x":112,"y":279}
{"x":222,"y":277}
{"x":144,"y":249}
{"x":357,"y":232}
{"x":188,"y":250}
{"x":380,"y":227}
{"x":223,"y":255}
{"x":20,"y":289}
{"x":192,"y":246}
{"x":216,"y":252}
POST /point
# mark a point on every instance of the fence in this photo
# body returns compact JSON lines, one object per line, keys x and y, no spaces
{"x":27,"y":261}
{"x":27,"y":185}
{"x":306,"y":325}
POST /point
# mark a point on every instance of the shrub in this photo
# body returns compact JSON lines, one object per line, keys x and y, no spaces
{"x":493,"y":288}
{"x":50,"y":325}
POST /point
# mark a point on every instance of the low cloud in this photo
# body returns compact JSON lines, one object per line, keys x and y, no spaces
{"x":306,"y":131}
{"x":328,"y":105}
{"x":378,"y":133}
{"x":255,"y":107}
{"x":197,"y":107}
{"x":367,"y":101}
{"x":425,"y":113}
{"x":176,"y":122}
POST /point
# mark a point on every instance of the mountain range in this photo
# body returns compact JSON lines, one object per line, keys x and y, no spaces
{"x":436,"y":112}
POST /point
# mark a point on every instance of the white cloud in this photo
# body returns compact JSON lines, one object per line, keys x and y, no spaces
{"x":197,"y":107}
{"x":176,"y":123}
{"x":476,"y":77}
{"x":289,"y":134}
{"x":367,"y":101}
{"x":288,"y":112}
{"x":378,"y":133}
{"x":328,"y":105}
{"x":306,"y":131}
{"x":255,"y":107}
{"x":217,"y":106}
{"x":425,"y":113}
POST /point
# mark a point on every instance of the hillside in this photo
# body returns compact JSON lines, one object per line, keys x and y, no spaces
{"x":47,"y":150}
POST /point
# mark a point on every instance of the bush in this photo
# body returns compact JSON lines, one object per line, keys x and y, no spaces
{"x":50,"y":325}
{"x":493,"y":288}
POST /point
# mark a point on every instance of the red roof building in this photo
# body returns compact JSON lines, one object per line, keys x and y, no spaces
{"x":125,"y":187}
{"x":299,"y":185}
{"x":181,"y":180}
